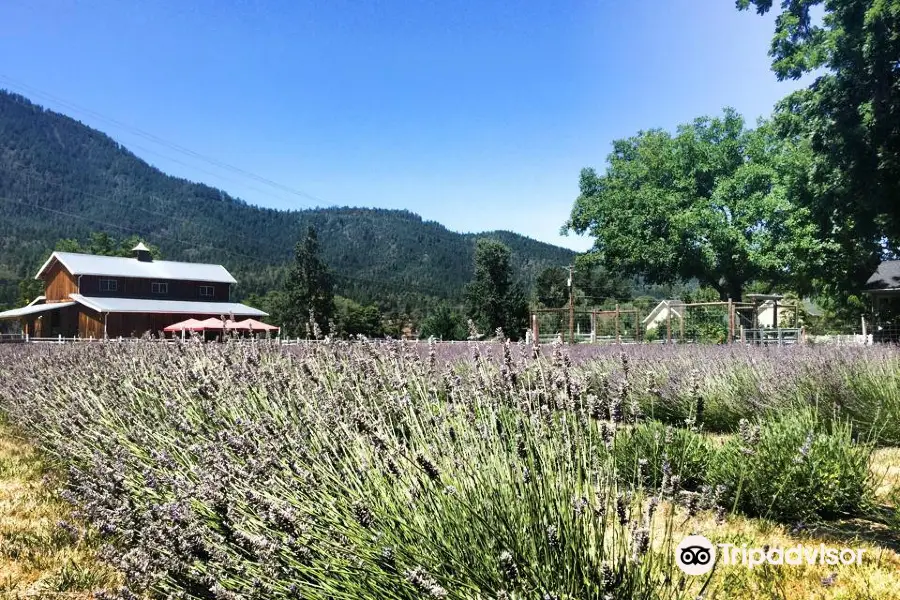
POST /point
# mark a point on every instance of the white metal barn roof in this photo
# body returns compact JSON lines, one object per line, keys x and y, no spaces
{"x":32,"y":309}
{"x":138,"y":305}
{"x":115,"y":266}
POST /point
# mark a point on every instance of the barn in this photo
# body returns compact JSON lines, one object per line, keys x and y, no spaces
{"x":92,"y":296}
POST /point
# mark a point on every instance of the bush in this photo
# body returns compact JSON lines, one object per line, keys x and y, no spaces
{"x":793,"y":468}
{"x":686,"y":452}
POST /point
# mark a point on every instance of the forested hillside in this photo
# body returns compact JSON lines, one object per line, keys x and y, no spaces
{"x":61,"y":179}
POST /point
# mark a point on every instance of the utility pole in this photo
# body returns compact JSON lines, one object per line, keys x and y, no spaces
{"x":571,"y":305}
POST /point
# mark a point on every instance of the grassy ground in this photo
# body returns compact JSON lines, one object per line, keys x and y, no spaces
{"x":38,"y":558}
{"x":877,"y":578}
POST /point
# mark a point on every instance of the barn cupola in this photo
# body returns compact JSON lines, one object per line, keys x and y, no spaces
{"x":142,"y":253}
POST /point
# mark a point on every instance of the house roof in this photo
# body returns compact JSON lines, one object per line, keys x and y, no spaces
{"x":886,"y":277}
{"x":31,"y":309}
{"x":138,"y":305}
{"x":674,"y":305}
{"x":116,"y":266}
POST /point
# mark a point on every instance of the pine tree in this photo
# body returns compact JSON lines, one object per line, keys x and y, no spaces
{"x":309,"y":289}
{"x":494,"y":299}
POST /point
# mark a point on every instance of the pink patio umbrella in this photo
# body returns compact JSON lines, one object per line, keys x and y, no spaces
{"x":254,"y":325}
{"x":213,"y":324}
{"x":189,"y":325}
{"x":236,"y":326}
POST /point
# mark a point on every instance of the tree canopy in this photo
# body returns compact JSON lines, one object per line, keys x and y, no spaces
{"x":850,"y":115}
{"x":444,"y":323}
{"x":713,"y":202}
{"x":309,"y":292}
{"x":103,"y":244}
{"x":493,"y":297}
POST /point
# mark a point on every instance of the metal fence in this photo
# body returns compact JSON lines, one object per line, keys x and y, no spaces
{"x":672,"y":322}
{"x":592,"y":326}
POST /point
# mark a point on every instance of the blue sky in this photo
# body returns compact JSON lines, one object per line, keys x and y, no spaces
{"x":475,"y":114}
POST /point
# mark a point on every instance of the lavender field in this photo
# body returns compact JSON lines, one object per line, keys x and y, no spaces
{"x":491,"y":470}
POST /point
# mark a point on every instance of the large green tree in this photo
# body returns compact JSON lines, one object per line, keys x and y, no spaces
{"x":551,"y":288}
{"x":713,"y":202}
{"x":444,"y":323}
{"x":309,"y":290}
{"x":494,"y":299}
{"x":352,"y":318}
{"x":850,"y":114}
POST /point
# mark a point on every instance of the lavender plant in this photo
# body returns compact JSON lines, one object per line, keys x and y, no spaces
{"x":388,"y":470}
{"x":340,"y":471}
{"x":793,"y":468}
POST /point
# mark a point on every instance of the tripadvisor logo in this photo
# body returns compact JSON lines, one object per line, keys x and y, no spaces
{"x":696,"y":555}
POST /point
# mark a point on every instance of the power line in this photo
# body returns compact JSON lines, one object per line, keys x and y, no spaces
{"x":159,"y":140}
{"x":196,"y":168}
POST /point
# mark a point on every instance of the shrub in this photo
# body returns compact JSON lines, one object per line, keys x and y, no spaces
{"x":793,"y":468}
{"x":641,"y":450}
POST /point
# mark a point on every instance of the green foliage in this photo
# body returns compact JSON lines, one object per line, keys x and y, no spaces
{"x":29,"y":289}
{"x":275,"y":304}
{"x":388,"y":257}
{"x":850,"y":114}
{"x":493,"y":298}
{"x":444,"y":323}
{"x":711,"y":203}
{"x":641,"y":451}
{"x":794,"y":469}
{"x":102,"y":244}
{"x":352,"y":318}
{"x":894,"y":515}
{"x":309,"y":290}
{"x":551,"y":288}
{"x":596,"y":285}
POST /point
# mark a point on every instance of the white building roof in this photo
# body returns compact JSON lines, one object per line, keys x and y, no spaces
{"x":138,"y":305}
{"x":115,"y":266}
{"x":31,"y":309}
{"x":675,"y":306}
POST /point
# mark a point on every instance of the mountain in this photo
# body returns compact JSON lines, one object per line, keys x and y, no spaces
{"x":61,"y":179}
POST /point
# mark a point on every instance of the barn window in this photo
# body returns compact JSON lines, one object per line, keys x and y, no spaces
{"x":207,"y":291}
{"x":159,"y":287}
{"x":109,"y":285}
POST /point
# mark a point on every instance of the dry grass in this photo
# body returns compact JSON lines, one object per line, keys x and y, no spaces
{"x":877,"y":578}
{"x":39,"y":559}
{"x":886,"y":469}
